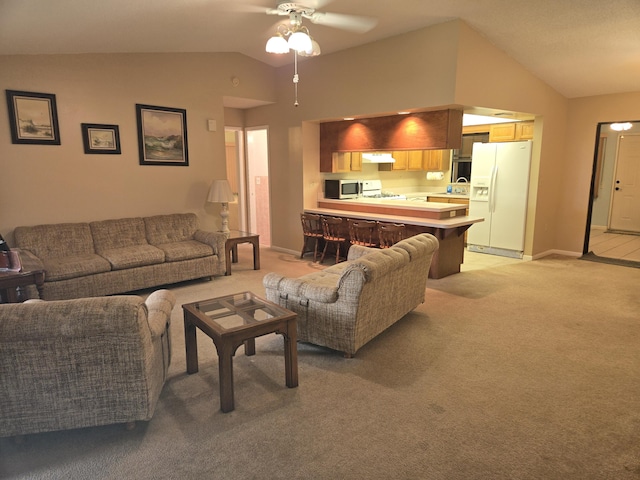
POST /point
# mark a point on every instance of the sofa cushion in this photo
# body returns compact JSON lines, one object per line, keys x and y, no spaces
{"x":186,"y":250}
{"x":120,"y":233}
{"x":162,"y":229}
{"x":134,"y":256}
{"x":56,"y":240}
{"x":74,"y":266}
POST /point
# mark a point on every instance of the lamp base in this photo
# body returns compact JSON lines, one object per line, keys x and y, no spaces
{"x":224,"y":215}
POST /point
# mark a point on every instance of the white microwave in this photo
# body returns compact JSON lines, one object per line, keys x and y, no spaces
{"x":342,"y":189}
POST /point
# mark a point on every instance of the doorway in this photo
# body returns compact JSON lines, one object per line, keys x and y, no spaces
{"x":257,"y":182}
{"x":613,"y":221}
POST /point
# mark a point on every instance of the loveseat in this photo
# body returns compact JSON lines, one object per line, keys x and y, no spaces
{"x":348,"y":304}
{"x":120,"y":256}
{"x":82,"y":362}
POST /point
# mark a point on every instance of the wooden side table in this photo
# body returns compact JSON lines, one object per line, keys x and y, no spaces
{"x":231,"y":248}
{"x":10,"y":281}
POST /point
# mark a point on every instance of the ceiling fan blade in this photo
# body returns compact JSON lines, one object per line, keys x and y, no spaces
{"x":354,"y":23}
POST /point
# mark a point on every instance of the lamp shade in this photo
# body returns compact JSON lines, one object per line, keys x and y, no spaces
{"x":220,"y":192}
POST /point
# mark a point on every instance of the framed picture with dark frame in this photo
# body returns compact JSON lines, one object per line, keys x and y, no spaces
{"x":162,"y":135}
{"x":101,"y":139}
{"x":33,"y":118}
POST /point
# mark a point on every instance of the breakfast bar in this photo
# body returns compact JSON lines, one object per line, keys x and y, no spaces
{"x":446,"y":221}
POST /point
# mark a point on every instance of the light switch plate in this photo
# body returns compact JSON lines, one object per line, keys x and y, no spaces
{"x":212,"y":125}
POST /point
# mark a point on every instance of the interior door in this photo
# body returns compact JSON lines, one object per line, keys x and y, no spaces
{"x":257,"y":151}
{"x":625,"y":200}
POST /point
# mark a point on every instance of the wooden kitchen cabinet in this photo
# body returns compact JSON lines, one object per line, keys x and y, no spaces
{"x":434,"y":160}
{"x":346,"y":162}
{"x":524,"y":130}
{"x":430,"y":160}
{"x":510,"y":132}
{"x":401,"y":158}
{"x":415,"y":159}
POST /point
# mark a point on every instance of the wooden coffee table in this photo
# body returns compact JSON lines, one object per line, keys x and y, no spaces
{"x":10,"y":281}
{"x":234,"y":320}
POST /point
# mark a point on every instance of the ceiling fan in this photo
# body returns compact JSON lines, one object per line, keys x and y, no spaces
{"x":297,"y":37}
{"x":354,"y":23}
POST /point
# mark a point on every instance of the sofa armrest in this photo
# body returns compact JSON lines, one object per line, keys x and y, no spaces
{"x":159,"y":306}
{"x":324,"y":290}
{"x":215,"y":239}
{"x":29,"y":260}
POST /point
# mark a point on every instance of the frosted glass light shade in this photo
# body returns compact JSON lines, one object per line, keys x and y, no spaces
{"x":300,"y":42}
{"x":314,"y":51}
{"x":277,"y":44}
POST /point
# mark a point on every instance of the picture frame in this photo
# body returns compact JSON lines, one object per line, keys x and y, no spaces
{"x":100,"y":138}
{"x":162,"y":135}
{"x":33,"y":118}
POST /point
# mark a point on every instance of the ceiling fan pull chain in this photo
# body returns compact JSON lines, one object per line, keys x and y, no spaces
{"x":295,"y":76}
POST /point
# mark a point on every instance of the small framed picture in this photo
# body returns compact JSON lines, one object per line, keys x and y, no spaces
{"x":162,"y":135}
{"x":102,"y":139}
{"x":33,"y":118}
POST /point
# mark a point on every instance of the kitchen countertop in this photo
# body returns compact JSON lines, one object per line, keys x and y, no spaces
{"x":432,"y":214}
{"x":443,"y":223}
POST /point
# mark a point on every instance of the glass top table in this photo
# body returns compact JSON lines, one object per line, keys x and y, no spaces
{"x":231,"y":321}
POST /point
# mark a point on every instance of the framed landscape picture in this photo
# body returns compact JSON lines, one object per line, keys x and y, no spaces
{"x":33,"y":118}
{"x":162,"y":135}
{"x":101,"y":139}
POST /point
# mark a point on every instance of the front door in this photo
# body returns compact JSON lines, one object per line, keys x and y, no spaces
{"x":625,"y":201}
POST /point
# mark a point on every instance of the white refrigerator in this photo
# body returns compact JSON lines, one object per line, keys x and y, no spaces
{"x":499,"y":190}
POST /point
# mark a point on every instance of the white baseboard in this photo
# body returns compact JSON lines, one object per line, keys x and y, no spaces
{"x":285,"y":250}
{"x":565,"y":253}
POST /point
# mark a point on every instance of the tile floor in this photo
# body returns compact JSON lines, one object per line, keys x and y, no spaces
{"x":615,"y":245}
{"x":480,"y":261}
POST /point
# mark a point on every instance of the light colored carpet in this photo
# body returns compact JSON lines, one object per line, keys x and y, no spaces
{"x":529,"y":370}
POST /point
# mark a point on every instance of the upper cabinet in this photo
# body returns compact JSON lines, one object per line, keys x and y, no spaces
{"x":510,"y":132}
{"x":429,"y":160}
{"x":346,"y":162}
{"x":440,"y":129}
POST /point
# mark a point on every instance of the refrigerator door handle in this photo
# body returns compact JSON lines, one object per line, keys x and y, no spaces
{"x":492,"y":189}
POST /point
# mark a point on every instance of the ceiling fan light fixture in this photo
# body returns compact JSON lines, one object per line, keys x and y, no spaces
{"x":277,"y":44}
{"x":313,"y":52}
{"x":300,"y":42}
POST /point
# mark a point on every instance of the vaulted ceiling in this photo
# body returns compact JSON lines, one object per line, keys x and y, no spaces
{"x":580,"y":48}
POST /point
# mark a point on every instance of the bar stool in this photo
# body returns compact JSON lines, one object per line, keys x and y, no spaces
{"x":334,"y":233}
{"x":312,"y":232}
{"x":363,"y":232}
{"x":390,"y":233}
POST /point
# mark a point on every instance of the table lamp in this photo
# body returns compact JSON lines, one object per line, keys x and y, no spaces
{"x":220,"y":192}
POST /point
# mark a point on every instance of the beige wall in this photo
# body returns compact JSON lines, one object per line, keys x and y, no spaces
{"x":47,"y":184}
{"x":584,"y":116}
{"x":487,"y":77}
{"x":445,"y":65}
{"x":448,"y":64}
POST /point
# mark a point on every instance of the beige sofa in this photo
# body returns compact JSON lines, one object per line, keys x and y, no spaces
{"x":346,"y":305}
{"x":119,"y":256}
{"x":83,"y":362}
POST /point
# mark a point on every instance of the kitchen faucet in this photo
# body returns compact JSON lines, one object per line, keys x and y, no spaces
{"x":459,"y":180}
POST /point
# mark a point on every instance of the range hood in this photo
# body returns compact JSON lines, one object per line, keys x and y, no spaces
{"x":377,"y":158}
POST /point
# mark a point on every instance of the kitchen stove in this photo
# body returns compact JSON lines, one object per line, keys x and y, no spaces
{"x":373,"y":189}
